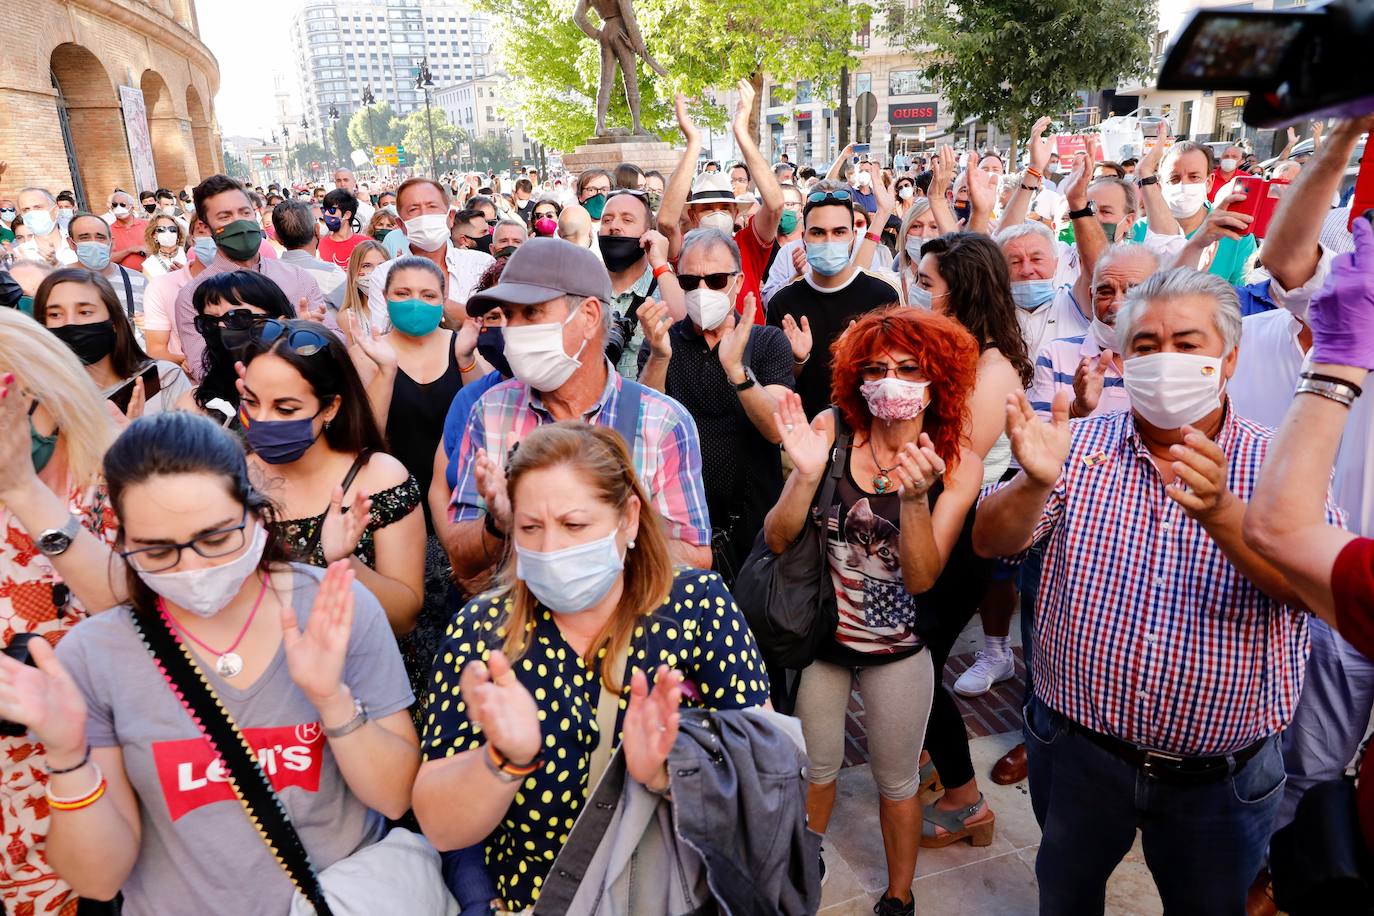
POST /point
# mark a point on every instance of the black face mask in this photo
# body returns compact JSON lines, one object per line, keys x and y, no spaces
{"x":149,"y":207}
{"x":482,"y":243}
{"x":619,"y":251}
{"x":962,"y":211}
{"x":491,"y":343}
{"x":90,"y":342}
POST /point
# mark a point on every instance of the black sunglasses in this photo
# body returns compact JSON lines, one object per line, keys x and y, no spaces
{"x":304,"y":341}
{"x":233,"y":327}
{"x":718,"y":282}
{"x":817,"y":196}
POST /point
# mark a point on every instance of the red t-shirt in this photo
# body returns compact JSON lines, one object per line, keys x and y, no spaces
{"x":130,"y":236}
{"x":338,"y":253}
{"x":753,"y":259}
{"x":1352,"y":587}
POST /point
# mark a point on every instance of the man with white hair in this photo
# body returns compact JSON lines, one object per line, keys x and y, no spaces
{"x":38,"y":212}
{"x":1046,"y":307}
{"x":1169,"y":655}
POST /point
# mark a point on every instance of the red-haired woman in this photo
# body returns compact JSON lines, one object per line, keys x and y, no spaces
{"x":902,"y":378}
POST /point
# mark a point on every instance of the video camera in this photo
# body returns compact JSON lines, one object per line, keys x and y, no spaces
{"x":1298,"y":64}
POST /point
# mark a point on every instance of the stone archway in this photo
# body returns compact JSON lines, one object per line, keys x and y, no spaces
{"x":202,"y":135}
{"x":86,"y":100}
{"x":171,"y":135}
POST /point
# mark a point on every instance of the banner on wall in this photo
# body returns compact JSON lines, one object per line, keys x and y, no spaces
{"x":140,"y":140}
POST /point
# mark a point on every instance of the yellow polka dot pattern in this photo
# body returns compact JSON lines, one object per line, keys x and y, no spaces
{"x":698,"y":630}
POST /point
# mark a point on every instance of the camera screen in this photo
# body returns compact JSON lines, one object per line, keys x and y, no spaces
{"x":1245,"y":49}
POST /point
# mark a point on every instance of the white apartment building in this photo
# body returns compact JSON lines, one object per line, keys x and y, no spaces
{"x":346,"y":46}
{"x":473,"y":105}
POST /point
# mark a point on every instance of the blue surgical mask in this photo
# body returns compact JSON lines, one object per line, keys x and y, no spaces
{"x":573,"y":579}
{"x":279,"y":441}
{"x":93,"y":255}
{"x":64,"y":218}
{"x":1031,"y":294}
{"x":913,"y":249}
{"x":919,"y":296}
{"x":40,"y":222}
{"x":827,"y":258}
{"x":204,"y":246}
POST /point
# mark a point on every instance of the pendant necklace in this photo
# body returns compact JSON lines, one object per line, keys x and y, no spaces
{"x":881,"y":482}
{"x":227,"y":663}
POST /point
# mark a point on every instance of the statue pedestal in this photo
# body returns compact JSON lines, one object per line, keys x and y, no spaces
{"x":609,"y":152}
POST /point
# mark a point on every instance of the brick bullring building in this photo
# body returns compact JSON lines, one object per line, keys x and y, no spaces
{"x":72,"y":73}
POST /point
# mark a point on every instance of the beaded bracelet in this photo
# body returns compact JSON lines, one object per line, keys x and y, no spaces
{"x":85,"y":759}
{"x":76,"y":803}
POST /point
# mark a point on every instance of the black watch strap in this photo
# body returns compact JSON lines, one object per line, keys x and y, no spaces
{"x":1080,"y":214}
{"x":490,"y":527}
{"x":1147,"y":180}
{"x":749,"y":381}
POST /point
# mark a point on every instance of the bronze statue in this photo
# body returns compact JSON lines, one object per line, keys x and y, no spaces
{"x":620,"y":42}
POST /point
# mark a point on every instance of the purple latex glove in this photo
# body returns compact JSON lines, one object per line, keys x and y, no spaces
{"x":1342,"y":314}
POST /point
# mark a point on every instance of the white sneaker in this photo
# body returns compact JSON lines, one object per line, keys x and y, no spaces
{"x":986,"y":670}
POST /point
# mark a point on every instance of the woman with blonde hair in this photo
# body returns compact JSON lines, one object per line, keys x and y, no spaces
{"x":365,"y":258}
{"x":589,"y":602}
{"x":918,"y":226}
{"x":165,"y":237}
{"x":55,"y":560}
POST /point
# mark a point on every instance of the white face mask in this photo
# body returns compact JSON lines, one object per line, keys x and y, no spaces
{"x":894,"y":399}
{"x":205,"y":592}
{"x":166,"y":237}
{"x":1184,"y":199}
{"x":905,"y":192}
{"x":1170,"y":390}
{"x":536,"y":356}
{"x":1229,"y":165}
{"x":708,"y":307}
{"x":719,"y":220}
{"x":120,"y":210}
{"x":428,"y":232}
{"x":1104,"y":335}
{"x":364,"y":283}
{"x":573,"y":579}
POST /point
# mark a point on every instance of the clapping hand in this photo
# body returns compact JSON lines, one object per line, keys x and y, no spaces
{"x":1200,"y":466}
{"x":730,"y":350}
{"x":373,"y":345}
{"x":466,"y":343}
{"x":1149,"y":163}
{"x":341,"y":530}
{"x":650,"y":726}
{"x":303,"y":310}
{"x":918,"y":467}
{"x":501,"y":708}
{"x":1075,"y":187}
{"x":656,"y":322}
{"x":744,"y":107}
{"x":1040,"y":146}
{"x":1088,"y":381}
{"x":942,"y":169}
{"x":491,"y":486}
{"x":1041,"y":448}
{"x":16,"y":468}
{"x":47,"y":700}
{"x":982,"y":189}
{"x":799,"y":264}
{"x":882,"y":192}
{"x":799,"y":336}
{"x":315,"y":656}
{"x":806,"y":444}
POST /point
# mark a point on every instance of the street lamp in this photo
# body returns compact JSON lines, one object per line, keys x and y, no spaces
{"x":333,"y":144}
{"x":369,"y":100}
{"x":286,"y":148}
{"x":425,"y":82}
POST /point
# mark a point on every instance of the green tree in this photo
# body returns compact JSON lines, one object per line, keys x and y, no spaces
{"x":1009,"y":63}
{"x":375,"y":125}
{"x":307,"y":153}
{"x":339,"y":141}
{"x":235,"y":167}
{"x":488,"y":154}
{"x":554,"y":68}
{"x":417,"y":135}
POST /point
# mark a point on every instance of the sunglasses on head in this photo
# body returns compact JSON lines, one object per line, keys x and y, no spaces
{"x":305,"y":341}
{"x":817,"y":196}
{"x":717,"y":282}
{"x":633,"y":192}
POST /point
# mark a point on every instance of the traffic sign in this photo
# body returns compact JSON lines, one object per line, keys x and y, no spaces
{"x":400,"y":152}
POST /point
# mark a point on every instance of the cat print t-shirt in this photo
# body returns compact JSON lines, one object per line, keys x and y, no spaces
{"x":877,"y":619}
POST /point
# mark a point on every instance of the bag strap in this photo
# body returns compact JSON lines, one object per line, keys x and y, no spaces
{"x":607,"y":708}
{"x":354,"y":470}
{"x":128,"y":290}
{"x":844,"y":436}
{"x":245,"y":777}
{"x":627,"y":413}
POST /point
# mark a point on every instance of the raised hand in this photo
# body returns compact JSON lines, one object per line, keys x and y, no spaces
{"x":942,"y":169}
{"x":806,"y":444}
{"x":1075,"y":188}
{"x":918,"y":467}
{"x":315,"y":656}
{"x":491,"y":486}
{"x":501,"y":708}
{"x":656,"y":322}
{"x":1342,"y":312}
{"x":650,"y":726}
{"x":1200,"y":467}
{"x":16,"y":468}
{"x":1040,"y":146}
{"x":730,"y":350}
{"x":656,"y":244}
{"x":466,"y":343}
{"x":1149,"y":163}
{"x":882,"y":193}
{"x":1041,"y":448}
{"x":373,"y":345}
{"x":982,"y":189}
{"x":341,"y":531}
{"x":1088,"y":381}
{"x":684,"y":121}
{"x":47,"y":700}
{"x":744,"y":107}
{"x":799,"y":336}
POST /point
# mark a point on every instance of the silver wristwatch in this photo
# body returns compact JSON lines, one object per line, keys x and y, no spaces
{"x":352,"y":725}
{"x":55,"y":541}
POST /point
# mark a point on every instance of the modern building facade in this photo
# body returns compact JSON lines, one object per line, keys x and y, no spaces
{"x":344,"y":47}
{"x":104,"y":94}
{"x":474,"y":106}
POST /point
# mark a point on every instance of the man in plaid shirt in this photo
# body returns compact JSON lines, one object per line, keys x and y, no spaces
{"x":1169,"y":654}
{"x":555,"y":298}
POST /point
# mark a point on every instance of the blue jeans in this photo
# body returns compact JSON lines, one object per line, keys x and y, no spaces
{"x":1203,"y":843}
{"x":1028,"y":581}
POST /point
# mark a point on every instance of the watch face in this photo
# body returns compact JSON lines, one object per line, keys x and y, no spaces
{"x":53,"y":542}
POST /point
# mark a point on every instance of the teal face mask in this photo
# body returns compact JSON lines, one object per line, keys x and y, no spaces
{"x":40,"y":447}
{"x":414,"y":317}
{"x":595,"y":205}
{"x":26,"y":305}
{"x":787,"y":222}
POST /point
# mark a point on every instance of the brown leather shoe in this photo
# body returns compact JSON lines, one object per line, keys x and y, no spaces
{"x":1012,"y":767}
{"x":1260,"y":900}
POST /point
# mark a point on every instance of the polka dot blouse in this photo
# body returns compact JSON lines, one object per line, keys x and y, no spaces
{"x":698,"y":630}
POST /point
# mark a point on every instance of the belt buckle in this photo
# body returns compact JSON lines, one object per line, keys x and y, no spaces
{"x":1158,"y":760}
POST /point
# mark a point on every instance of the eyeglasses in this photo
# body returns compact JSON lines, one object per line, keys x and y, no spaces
{"x":907,"y":372}
{"x":718,"y":282}
{"x":301,"y":340}
{"x":211,"y":545}
{"x":816,"y":197}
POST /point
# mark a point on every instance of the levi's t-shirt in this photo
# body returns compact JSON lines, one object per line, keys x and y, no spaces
{"x":199,"y":852}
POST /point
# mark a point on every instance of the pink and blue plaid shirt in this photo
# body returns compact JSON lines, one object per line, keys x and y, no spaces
{"x":666,"y":451}
{"x":1143,"y":629}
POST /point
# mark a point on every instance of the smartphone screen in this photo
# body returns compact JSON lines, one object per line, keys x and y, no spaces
{"x":860,"y":149}
{"x":152,"y":384}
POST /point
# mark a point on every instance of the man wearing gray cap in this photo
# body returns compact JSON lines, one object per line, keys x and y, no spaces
{"x":555,"y":296}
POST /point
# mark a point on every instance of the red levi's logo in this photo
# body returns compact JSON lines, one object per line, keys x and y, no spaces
{"x":193,"y":776}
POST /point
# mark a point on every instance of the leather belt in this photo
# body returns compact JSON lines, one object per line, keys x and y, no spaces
{"x":1176,"y":769}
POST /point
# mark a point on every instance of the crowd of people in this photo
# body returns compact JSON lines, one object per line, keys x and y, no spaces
{"x":408,"y":518}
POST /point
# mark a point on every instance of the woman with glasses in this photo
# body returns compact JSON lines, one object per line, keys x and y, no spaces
{"x":300,"y":658}
{"x":321,"y":458}
{"x":82,"y":309}
{"x":895,"y":535}
{"x":56,"y":568}
{"x":544,"y":217}
{"x":228,"y":306}
{"x":165,"y":237}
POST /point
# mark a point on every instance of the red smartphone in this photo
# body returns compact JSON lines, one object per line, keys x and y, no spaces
{"x":1261,"y":199}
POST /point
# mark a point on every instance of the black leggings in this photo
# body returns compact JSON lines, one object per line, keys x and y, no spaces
{"x":946,"y":736}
